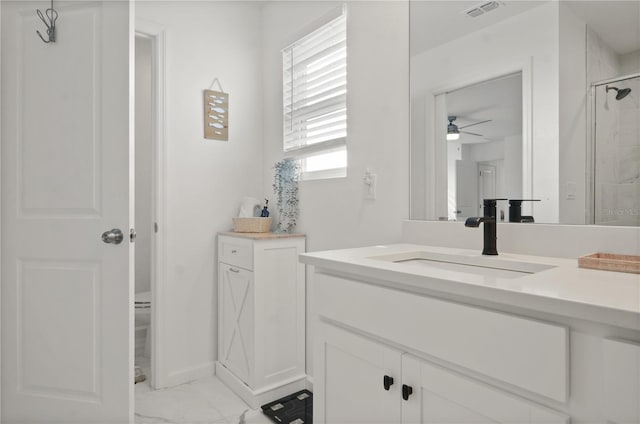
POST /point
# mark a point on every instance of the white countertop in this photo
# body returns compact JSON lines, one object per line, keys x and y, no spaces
{"x":602,"y":296}
{"x":261,"y":236}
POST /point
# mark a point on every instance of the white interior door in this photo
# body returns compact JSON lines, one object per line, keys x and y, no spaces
{"x":66,"y":336}
{"x":486,"y":184}
{"x":466,"y":193}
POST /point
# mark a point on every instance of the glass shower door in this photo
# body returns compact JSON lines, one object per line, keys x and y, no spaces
{"x":617,"y":153}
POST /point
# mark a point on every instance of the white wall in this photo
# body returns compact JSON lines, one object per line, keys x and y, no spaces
{"x":418,"y":153}
{"x":144,"y":134}
{"x":333,"y":213}
{"x":0,"y":202}
{"x":528,"y":38}
{"x":454,"y":154}
{"x":513,"y":166}
{"x":602,"y":61}
{"x":630,"y":63}
{"x":573,"y":115}
{"x":205,"y":179}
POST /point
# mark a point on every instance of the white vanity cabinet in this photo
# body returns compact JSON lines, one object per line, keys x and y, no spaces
{"x":365,"y":381}
{"x":621,"y":385}
{"x":368,"y":335}
{"x":561,"y":344}
{"x":261,"y":315}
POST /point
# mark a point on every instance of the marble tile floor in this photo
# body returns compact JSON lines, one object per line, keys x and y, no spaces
{"x":205,"y":401}
{"x":144,"y":363}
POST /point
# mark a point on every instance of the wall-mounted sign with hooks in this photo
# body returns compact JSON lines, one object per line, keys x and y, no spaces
{"x":216,"y":113}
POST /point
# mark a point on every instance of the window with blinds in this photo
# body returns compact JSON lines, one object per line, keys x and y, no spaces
{"x":315,"y":100}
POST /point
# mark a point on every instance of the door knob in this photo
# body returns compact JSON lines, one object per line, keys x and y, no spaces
{"x":113,"y":236}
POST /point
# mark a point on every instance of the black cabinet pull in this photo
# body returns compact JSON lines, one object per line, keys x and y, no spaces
{"x":387,"y":382}
{"x":406,"y":391}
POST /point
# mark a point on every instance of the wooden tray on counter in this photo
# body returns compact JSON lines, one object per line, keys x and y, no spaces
{"x":611,"y":262}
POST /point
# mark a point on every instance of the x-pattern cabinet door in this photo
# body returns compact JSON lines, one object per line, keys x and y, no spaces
{"x":237,"y":292}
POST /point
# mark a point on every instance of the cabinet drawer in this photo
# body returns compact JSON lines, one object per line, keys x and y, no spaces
{"x":526,"y":353}
{"x":236,"y":251}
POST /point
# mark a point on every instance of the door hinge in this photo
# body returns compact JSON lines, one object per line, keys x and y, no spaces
{"x":155,"y":227}
{"x":132,"y":235}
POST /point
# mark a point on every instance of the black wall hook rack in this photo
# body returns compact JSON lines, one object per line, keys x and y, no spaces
{"x":49,"y":18}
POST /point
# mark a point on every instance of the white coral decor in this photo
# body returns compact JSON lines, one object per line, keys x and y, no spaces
{"x":285,"y":187}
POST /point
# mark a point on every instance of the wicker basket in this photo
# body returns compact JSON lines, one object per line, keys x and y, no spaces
{"x":251,"y":225}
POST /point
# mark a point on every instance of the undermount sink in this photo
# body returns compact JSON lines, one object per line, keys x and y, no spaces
{"x":477,"y":265}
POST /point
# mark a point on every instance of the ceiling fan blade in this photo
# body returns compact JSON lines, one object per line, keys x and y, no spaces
{"x":470,"y":133}
{"x":476,"y":123}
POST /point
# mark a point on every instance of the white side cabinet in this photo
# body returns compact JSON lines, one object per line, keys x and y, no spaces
{"x":261,"y":315}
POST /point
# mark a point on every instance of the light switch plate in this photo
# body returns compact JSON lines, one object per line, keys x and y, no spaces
{"x":370,"y":185}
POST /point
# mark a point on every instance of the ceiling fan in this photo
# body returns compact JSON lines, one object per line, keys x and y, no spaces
{"x":453,"y":131}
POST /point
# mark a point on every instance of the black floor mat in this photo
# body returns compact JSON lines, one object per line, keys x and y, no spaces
{"x":293,"y":409}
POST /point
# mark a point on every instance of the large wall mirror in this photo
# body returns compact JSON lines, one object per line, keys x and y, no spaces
{"x":528,"y":100}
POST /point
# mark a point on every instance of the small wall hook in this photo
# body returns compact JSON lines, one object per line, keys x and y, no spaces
{"x":49,"y":18}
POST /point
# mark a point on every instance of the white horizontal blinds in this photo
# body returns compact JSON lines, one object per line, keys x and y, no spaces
{"x":315,"y":88}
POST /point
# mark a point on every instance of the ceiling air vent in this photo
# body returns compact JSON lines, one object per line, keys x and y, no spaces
{"x":488,"y":7}
{"x":474,"y":12}
{"x":481,"y":9}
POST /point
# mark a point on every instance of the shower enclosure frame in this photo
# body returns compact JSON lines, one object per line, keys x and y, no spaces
{"x":590,"y":198}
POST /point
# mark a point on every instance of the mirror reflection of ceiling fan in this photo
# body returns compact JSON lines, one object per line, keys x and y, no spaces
{"x":453,"y":131}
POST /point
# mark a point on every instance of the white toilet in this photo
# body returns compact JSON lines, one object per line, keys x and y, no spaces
{"x":143,"y":324}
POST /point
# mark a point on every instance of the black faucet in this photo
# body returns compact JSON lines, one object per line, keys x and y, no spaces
{"x":490,"y":226}
{"x":515,"y":210}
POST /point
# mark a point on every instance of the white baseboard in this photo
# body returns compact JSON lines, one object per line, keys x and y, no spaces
{"x":256,"y":398}
{"x":186,"y":375}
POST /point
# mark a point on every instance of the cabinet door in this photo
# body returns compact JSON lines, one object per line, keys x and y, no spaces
{"x":443,"y":396}
{"x":349,"y":385}
{"x":280,"y":312}
{"x":236,"y":321}
{"x":621,"y":381}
